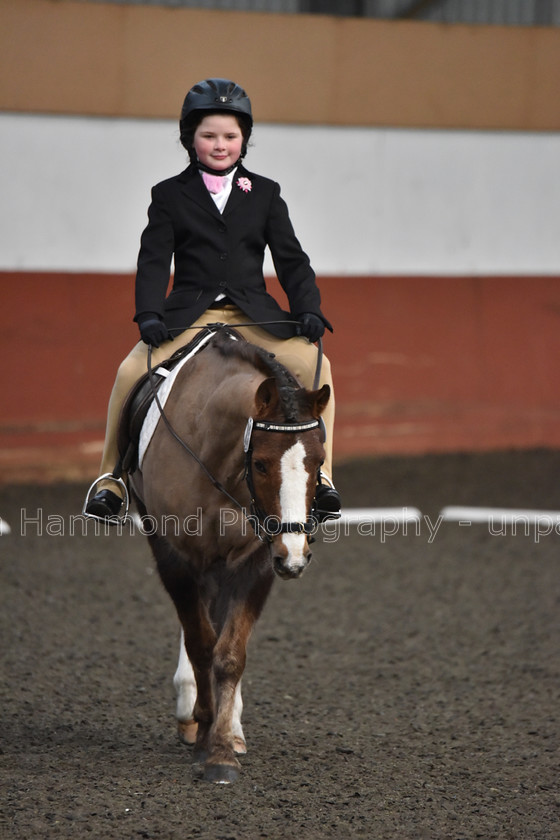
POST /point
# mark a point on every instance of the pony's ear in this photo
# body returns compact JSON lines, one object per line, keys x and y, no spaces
{"x":266,"y":397}
{"x":318,"y":400}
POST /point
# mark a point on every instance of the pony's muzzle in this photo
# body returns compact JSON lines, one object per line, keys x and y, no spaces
{"x":290,"y":556}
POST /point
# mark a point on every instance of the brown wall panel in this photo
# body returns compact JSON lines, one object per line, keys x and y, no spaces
{"x":59,"y":56}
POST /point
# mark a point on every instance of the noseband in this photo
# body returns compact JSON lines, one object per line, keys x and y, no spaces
{"x":268,"y":527}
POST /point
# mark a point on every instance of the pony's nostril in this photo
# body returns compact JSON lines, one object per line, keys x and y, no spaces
{"x":286,"y":570}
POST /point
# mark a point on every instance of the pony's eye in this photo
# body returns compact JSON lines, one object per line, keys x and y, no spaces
{"x":260,"y":467}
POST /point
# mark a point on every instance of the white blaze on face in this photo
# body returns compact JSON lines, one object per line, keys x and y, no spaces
{"x":292,"y":494}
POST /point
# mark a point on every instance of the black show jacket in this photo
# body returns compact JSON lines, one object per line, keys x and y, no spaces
{"x":222,"y":253}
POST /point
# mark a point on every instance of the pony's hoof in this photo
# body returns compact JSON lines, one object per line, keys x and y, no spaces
{"x":221,"y":774}
{"x":186,"y":730}
{"x":239,"y":745}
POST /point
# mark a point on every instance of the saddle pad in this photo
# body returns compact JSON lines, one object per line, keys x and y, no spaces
{"x":153,"y":416}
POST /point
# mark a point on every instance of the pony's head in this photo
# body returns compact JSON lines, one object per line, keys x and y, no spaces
{"x":284,"y":451}
{"x":284,"y":455}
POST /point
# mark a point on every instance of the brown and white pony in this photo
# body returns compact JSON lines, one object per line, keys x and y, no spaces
{"x":226,"y":517}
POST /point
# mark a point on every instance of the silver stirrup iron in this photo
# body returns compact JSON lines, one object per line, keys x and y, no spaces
{"x":324,"y":479}
{"x":120,"y":518}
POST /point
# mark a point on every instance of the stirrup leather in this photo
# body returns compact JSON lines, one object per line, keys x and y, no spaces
{"x":118,"y":519}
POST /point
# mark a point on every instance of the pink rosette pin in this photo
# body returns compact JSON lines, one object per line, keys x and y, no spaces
{"x":244,"y":184}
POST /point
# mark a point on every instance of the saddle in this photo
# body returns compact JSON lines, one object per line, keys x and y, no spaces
{"x":139,"y":400}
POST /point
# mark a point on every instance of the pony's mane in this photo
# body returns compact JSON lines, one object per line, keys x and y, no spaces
{"x":266,"y":363}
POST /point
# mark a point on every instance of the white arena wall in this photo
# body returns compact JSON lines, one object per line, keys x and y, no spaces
{"x":364,"y":201}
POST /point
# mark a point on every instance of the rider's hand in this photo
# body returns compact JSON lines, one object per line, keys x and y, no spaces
{"x":311,"y":326}
{"x":152,"y":330}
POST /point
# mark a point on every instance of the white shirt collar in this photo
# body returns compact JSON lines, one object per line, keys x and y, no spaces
{"x":220,"y":199}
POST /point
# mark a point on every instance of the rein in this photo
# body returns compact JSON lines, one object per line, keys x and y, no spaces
{"x":264,"y":526}
{"x":220,"y":326}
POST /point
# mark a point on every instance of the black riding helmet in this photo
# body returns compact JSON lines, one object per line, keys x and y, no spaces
{"x":214,"y":96}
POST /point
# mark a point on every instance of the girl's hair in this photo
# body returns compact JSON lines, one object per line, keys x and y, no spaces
{"x":189,"y":125}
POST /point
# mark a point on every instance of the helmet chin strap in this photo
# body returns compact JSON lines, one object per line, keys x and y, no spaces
{"x":217,"y":171}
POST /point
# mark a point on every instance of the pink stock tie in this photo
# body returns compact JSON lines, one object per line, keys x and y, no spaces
{"x":214,"y":183}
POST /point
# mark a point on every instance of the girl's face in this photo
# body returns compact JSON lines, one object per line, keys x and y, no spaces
{"x":218,"y":140}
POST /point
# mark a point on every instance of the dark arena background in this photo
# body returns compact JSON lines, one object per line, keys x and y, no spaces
{"x":408,"y":685}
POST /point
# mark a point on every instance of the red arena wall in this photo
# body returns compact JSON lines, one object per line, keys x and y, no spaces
{"x":421,"y":364}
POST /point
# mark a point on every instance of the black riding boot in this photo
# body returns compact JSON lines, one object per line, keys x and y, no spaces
{"x":105,"y":505}
{"x":327,"y":502}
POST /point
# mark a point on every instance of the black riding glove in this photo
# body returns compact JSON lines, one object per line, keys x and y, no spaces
{"x":152,"y":330}
{"x":311,"y":326}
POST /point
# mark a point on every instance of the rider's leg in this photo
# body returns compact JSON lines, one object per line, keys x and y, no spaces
{"x":108,"y":497}
{"x":130,"y":370}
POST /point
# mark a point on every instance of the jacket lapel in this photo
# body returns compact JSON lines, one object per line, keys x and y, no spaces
{"x":237,"y":196}
{"x":194,"y":188}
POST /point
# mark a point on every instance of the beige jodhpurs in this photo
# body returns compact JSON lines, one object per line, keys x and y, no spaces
{"x":297,"y":354}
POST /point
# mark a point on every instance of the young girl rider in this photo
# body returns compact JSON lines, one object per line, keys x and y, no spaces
{"x":215,"y":219}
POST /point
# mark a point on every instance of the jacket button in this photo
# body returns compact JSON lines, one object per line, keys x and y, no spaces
{"x":223,"y":256}
{"x":222,"y":228}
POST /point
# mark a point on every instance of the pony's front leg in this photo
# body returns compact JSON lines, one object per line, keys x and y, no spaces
{"x":198,"y":633}
{"x":227,"y":669}
{"x":200,"y":642}
{"x":239,"y":743}
{"x":228,"y":666}
{"x":185,"y":690}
